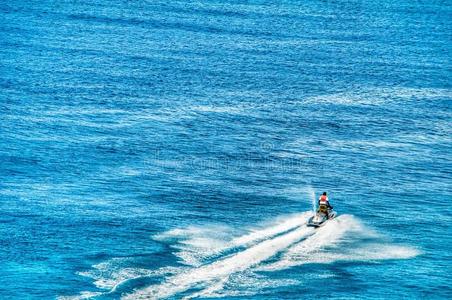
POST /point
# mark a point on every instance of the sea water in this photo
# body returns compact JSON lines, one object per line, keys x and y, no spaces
{"x":175,"y":149}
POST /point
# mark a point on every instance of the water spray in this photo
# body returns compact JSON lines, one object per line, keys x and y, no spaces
{"x":313,"y":200}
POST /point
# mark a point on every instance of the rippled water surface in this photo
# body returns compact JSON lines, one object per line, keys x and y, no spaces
{"x":173,"y":149}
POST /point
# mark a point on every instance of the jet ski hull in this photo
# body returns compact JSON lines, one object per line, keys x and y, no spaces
{"x":320,"y":219}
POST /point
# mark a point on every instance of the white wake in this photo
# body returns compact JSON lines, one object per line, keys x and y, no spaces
{"x":341,"y":239}
{"x":216,"y":263}
{"x":220,"y":270}
{"x":195,"y":245}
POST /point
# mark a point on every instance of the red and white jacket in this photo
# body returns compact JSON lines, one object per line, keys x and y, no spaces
{"x":323,"y":200}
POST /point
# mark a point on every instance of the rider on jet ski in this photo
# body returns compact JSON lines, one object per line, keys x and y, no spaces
{"x":324,"y":205}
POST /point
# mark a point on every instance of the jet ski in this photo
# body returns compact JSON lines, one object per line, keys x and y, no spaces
{"x":320,"y":218}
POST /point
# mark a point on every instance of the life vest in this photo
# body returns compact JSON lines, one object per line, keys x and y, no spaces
{"x":323,"y":200}
{"x":323,"y":197}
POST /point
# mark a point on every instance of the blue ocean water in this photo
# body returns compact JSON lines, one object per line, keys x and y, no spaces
{"x":171,"y":149}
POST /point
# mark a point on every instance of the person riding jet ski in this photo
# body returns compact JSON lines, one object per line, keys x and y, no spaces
{"x":324,"y":213}
{"x":324,"y":205}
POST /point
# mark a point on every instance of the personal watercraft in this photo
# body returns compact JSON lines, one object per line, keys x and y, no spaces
{"x":320,"y":218}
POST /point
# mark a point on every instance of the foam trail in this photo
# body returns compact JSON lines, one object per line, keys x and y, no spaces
{"x":197,"y":244}
{"x":219,"y":270}
{"x":299,"y":253}
{"x":343,"y":229}
{"x":108,"y":275}
{"x":209,"y":291}
{"x":258,"y":235}
{"x":340,"y":239}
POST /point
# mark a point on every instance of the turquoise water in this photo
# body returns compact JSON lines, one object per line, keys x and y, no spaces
{"x":155,"y":149}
